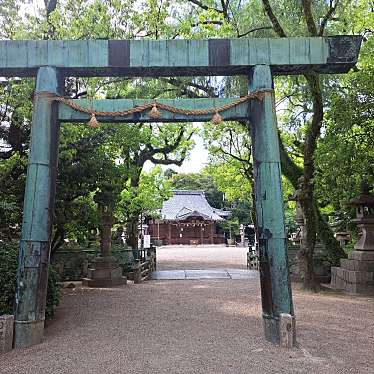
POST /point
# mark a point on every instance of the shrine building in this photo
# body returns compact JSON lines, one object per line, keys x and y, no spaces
{"x":187,"y":218}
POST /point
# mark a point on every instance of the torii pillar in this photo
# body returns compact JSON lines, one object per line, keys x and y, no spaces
{"x":275,"y":283}
{"x":38,"y":208}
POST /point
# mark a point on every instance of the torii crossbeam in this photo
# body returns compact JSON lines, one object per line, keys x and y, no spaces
{"x":259,"y":59}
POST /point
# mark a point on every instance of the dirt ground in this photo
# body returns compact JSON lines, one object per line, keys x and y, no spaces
{"x":197,"y":326}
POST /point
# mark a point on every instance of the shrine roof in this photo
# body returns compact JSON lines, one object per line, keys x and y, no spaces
{"x":187,"y":203}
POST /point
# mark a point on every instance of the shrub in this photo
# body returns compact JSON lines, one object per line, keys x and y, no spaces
{"x":8,"y":280}
{"x":8,"y":275}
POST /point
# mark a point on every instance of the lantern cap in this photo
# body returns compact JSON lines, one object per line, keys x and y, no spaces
{"x":365,"y":197}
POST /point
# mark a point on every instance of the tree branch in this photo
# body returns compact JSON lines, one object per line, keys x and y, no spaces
{"x":235,"y":157}
{"x":225,"y":9}
{"x":203,"y":6}
{"x":273,"y":19}
{"x":168,"y":161}
{"x":253,"y":30}
{"x":307,"y":9}
{"x":150,"y":152}
{"x":327,"y":17}
{"x":189,"y":93}
{"x":50,"y":6}
{"x":210,"y":22}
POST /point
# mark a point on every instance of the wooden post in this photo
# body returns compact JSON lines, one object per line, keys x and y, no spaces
{"x":37,"y":213}
{"x":169,"y":232}
{"x":275,"y":283}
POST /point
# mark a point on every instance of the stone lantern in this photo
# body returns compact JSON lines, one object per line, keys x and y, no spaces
{"x":343,"y":237}
{"x":356,"y":274}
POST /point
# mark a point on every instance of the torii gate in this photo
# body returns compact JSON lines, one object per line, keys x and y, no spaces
{"x":259,"y":59}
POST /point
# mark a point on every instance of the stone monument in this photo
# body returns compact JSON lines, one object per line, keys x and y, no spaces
{"x":356,"y":274}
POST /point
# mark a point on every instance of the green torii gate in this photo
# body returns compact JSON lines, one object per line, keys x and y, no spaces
{"x":259,"y":59}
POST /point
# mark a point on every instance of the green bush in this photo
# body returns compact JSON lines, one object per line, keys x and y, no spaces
{"x":53,"y":292}
{"x":8,"y":279}
{"x":8,"y":275}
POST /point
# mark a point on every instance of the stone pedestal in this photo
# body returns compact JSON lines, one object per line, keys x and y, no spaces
{"x":104,"y":272}
{"x":355,"y":274}
{"x":321,"y":266}
{"x":287,"y":330}
{"x":6,"y":333}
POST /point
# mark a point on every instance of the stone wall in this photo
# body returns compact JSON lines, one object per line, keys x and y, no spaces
{"x":72,"y":262}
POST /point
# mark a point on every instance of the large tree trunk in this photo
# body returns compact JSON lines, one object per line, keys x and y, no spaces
{"x":293,"y":172}
{"x":133,"y":222}
{"x":133,"y":232}
{"x":308,"y":239}
{"x":307,"y":185}
{"x":333,"y":249}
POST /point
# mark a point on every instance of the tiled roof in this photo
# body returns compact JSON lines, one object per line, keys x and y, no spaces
{"x":186,"y":203}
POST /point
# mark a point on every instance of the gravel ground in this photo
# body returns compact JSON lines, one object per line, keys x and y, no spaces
{"x":197,"y":326}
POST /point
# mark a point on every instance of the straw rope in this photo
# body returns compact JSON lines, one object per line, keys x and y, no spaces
{"x":154,"y":106}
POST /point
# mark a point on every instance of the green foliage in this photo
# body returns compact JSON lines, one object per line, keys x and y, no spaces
{"x":147,"y":197}
{"x":230,"y":167}
{"x":12,"y":183}
{"x":53,"y":292}
{"x":8,"y":277}
{"x":230,"y":227}
{"x":230,"y":180}
{"x":345,"y":152}
{"x":8,"y":274}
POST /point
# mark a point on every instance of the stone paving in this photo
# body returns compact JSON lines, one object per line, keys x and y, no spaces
{"x":204,"y":274}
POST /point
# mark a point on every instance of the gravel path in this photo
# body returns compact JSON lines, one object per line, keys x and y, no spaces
{"x":196,"y":326}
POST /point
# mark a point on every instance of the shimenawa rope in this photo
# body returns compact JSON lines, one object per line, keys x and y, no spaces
{"x":154,"y":106}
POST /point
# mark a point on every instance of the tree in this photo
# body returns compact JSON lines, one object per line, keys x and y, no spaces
{"x":88,"y":161}
{"x":345,"y":154}
{"x":147,"y":198}
{"x":199,"y":181}
{"x":284,"y":18}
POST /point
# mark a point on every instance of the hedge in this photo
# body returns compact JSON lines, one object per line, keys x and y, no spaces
{"x":8,"y":279}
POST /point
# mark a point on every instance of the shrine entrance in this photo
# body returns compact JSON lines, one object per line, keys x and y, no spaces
{"x":258,"y":59}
